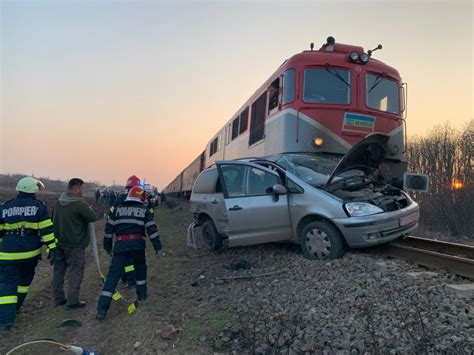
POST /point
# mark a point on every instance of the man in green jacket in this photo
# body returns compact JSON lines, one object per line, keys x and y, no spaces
{"x":70,"y":217}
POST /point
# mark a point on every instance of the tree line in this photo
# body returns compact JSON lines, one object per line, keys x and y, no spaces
{"x":446,"y":155}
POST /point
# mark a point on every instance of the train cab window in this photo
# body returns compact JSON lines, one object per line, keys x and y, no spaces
{"x":273,"y":95}
{"x":213,"y":147}
{"x":257,"y":120}
{"x":327,"y":86}
{"x":382,"y":93}
{"x":244,"y":120}
{"x":235,"y":128}
{"x":288,"y":86}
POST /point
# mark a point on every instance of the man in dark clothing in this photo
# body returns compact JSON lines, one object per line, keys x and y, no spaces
{"x":97,"y":195}
{"x":129,"y":222}
{"x":112,"y":198}
{"x":24,"y":227}
{"x":71,"y":216}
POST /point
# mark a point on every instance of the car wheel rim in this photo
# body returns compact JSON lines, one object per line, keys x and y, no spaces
{"x":208,"y":236}
{"x":318,"y":244}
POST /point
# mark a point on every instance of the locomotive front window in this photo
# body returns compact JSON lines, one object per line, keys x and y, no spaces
{"x":382,"y":93}
{"x":327,"y":86}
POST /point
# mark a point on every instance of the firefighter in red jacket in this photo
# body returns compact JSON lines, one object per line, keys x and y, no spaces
{"x":130,"y":221}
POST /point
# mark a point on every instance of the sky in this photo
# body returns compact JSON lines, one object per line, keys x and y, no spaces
{"x":106,"y":89}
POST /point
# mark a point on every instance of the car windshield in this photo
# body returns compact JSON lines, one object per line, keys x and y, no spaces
{"x":311,"y":168}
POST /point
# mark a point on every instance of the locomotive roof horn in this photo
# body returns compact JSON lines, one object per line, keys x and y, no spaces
{"x":370,"y":51}
{"x":328,"y":46}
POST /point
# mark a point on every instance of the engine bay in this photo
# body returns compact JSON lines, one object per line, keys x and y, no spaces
{"x":369,"y":190}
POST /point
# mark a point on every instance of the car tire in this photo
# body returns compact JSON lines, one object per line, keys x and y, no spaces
{"x":320,"y":240}
{"x":211,"y":238}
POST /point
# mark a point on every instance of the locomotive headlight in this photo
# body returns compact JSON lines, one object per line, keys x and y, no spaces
{"x":318,"y":141}
{"x":353,"y":56}
{"x":364,"y":57}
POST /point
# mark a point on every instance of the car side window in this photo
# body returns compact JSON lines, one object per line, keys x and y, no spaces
{"x":293,"y":188}
{"x":260,"y":182}
{"x":218,"y":186}
{"x":206,"y":182}
{"x":234,"y":179}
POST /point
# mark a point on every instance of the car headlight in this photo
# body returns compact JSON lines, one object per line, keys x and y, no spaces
{"x":356,"y":209}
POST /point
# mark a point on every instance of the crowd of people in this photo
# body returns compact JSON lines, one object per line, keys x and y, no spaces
{"x":26,"y":226}
{"x":106,"y":197}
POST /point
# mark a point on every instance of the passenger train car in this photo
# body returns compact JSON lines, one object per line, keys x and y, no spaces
{"x":321,"y":101}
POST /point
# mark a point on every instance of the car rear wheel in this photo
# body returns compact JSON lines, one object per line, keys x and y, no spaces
{"x":320,"y":240}
{"x":212,"y":239}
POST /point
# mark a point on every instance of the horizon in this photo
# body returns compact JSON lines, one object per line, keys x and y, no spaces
{"x":145,"y":85}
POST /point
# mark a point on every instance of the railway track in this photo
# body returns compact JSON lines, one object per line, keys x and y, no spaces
{"x":435,"y":254}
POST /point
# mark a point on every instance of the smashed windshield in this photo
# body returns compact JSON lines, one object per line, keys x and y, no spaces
{"x":313,"y":169}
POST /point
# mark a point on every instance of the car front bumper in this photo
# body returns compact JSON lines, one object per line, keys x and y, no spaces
{"x":378,"y":228}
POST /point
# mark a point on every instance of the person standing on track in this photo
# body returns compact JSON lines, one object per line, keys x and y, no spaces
{"x":24,"y":227}
{"x":71,"y":216}
{"x":130,"y":221}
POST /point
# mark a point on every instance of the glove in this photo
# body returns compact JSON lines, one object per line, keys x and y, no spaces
{"x":108,"y":246}
{"x":156,"y":244}
{"x":53,"y":256}
{"x":159,"y":254}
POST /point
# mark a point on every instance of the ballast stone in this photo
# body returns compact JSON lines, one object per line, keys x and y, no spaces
{"x":465,"y":290}
{"x":416,"y":274}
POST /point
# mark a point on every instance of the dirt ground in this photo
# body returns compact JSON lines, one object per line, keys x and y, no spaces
{"x":169,"y":302}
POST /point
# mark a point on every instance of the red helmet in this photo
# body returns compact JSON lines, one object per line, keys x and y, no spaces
{"x":132,"y":181}
{"x":136,"y":194}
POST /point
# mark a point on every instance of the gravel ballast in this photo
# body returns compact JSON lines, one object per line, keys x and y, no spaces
{"x":359,"y":304}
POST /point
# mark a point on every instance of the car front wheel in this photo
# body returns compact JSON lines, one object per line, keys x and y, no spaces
{"x":212,"y":239}
{"x":320,"y":240}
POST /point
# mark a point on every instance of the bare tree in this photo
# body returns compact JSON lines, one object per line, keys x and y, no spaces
{"x":446,"y":154}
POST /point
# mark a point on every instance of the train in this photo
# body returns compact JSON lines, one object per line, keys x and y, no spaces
{"x":319,"y":101}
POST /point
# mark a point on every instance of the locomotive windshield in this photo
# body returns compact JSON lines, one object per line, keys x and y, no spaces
{"x":327,"y":86}
{"x":382,"y":93}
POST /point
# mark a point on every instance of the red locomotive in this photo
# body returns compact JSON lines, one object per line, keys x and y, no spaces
{"x":320,"y":101}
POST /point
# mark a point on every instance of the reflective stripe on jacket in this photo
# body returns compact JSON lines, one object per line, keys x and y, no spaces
{"x":24,"y":227}
{"x":131,"y":218}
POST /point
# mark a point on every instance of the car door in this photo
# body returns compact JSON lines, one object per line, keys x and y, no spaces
{"x":255,"y":214}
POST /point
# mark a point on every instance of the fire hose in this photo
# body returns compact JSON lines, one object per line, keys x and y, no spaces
{"x":116,"y":296}
{"x":69,"y":348}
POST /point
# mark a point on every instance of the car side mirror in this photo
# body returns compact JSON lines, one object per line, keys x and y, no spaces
{"x":278,"y":189}
{"x":416,"y":182}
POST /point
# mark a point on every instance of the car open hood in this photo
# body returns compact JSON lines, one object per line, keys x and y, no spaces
{"x":365,"y":155}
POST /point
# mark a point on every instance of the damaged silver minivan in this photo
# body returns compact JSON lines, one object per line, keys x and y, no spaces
{"x":303,"y":198}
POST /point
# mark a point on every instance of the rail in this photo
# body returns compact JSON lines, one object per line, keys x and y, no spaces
{"x":435,"y":254}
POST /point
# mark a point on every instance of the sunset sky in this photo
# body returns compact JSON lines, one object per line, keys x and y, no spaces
{"x":102,"y":90}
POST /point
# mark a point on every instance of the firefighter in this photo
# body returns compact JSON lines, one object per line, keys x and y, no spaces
{"x":24,"y":227}
{"x":129,"y":222}
{"x":128,"y":275}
